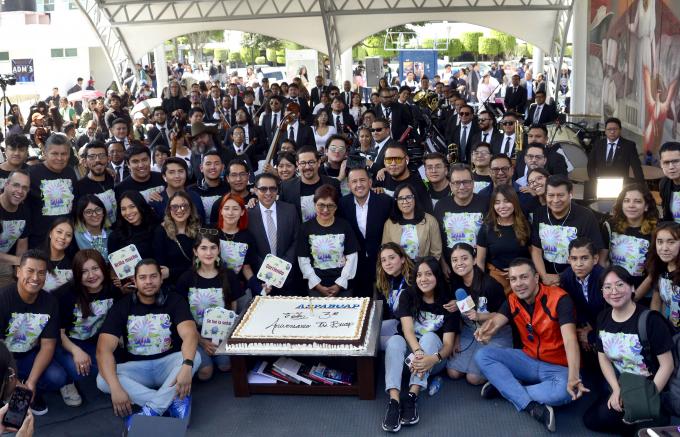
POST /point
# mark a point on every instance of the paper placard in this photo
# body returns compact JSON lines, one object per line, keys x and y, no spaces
{"x":216,"y":324}
{"x":123,"y":261}
{"x":274,"y":271}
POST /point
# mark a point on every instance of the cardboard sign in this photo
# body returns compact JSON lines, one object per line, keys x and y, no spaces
{"x":123,"y":261}
{"x":274,"y":271}
{"x":216,"y":324}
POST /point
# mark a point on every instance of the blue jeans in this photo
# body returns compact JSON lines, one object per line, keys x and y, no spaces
{"x":52,"y":379}
{"x":148,"y":382}
{"x":397,"y":350}
{"x":65,"y":359}
{"x":221,"y":361}
{"x":509,"y":369}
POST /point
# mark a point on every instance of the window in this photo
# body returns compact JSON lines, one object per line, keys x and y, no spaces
{"x":64,"y":53}
{"x":72,"y":4}
{"x":4,"y":56}
{"x":57,"y":53}
{"x":70,"y":53}
{"x":45,"y":5}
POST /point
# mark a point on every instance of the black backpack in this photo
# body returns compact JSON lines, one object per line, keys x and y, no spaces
{"x":670,"y":397}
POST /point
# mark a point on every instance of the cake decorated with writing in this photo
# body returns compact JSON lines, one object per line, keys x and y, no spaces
{"x":298,"y":321}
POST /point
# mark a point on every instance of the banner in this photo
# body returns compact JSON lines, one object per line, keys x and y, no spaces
{"x":23,"y":70}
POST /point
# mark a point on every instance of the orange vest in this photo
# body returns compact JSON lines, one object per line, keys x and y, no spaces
{"x":544,"y":342}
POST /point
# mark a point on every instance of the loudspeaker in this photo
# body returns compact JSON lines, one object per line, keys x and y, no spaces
{"x":373,"y":70}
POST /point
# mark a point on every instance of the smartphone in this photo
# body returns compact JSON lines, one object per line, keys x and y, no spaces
{"x":409,"y":360}
{"x":18,"y":408}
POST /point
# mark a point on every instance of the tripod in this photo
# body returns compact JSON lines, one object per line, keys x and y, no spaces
{"x":4,"y":100}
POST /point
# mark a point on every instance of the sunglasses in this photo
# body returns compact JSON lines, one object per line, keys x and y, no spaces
{"x":270,"y":189}
{"x":394,"y":160}
{"x":207,"y":231}
{"x":377,"y":129}
{"x":508,"y":123}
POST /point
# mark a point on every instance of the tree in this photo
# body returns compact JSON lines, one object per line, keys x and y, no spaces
{"x":221,"y":54}
{"x":455,"y":48}
{"x":489,"y":46}
{"x":198,"y":40}
{"x":471,"y":41}
{"x":508,"y":43}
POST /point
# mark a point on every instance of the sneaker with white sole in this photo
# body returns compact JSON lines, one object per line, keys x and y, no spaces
{"x":70,"y":395}
{"x":39,"y":406}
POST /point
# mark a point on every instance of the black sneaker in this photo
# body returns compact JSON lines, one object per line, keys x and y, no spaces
{"x":39,"y":406}
{"x":489,"y":391}
{"x":543,"y":414}
{"x":409,"y":410}
{"x":392,"y":421}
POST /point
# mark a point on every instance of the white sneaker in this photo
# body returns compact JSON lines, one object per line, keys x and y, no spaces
{"x":71,"y":396}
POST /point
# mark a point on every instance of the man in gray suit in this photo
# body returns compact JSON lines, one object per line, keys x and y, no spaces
{"x":274,"y":225}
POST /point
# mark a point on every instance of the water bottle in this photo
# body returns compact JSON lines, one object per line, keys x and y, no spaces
{"x":435,"y":385}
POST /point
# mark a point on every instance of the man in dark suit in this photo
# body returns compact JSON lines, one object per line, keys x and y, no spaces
{"x":299,"y":191}
{"x":487,"y":132}
{"x":294,"y":97}
{"x":463,"y":133}
{"x":271,"y":120}
{"x":398,"y":114}
{"x":475,"y":78}
{"x":515,"y":96}
{"x":614,"y":156}
{"x":159,"y":134}
{"x":212,"y":105}
{"x":274,"y":226}
{"x":302,"y":134}
{"x":550,"y":157}
{"x":316,"y":92}
{"x":340,"y":118}
{"x":380,"y":130}
{"x":366,"y":212}
{"x":540,"y":112}
{"x":116,"y":151}
{"x":346,"y":95}
{"x":236,"y":101}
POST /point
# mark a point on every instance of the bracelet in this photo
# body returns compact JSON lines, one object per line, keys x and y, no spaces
{"x":419,"y":349}
{"x":439,"y":356}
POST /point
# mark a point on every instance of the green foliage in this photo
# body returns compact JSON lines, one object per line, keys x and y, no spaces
{"x":270,"y":54}
{"x":455,"y":48}
{"x":526,"y":50}
{"x":471,"y":41}
{"x":508,"y":43}
{"x":221,"y":54}
{"x":569,"y":51}
{"x":374,"y":45}
{"x":427,"y":44}
{"x":248,"y":55}
{"x":260,"y":60}
{"x":235,"y":57}
{"x":489,"y":46}
{"x":291,"y":45}
{"x":280,"y":60}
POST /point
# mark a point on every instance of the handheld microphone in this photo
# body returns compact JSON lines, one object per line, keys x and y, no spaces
{"x":464,"y":301}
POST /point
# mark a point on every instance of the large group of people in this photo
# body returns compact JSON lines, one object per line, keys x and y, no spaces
{"x":225,"y":176}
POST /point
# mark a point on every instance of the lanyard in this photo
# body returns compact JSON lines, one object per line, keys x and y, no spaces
{"x":393,"y":298}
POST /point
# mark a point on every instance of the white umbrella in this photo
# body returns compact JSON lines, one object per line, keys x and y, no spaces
{"x":147,"y":104}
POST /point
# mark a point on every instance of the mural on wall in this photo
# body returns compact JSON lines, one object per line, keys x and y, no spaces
{"x":634,"y":66}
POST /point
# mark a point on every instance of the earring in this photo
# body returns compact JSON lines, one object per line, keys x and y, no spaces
{"x":197,"y":263}
{"x":218,"y":260}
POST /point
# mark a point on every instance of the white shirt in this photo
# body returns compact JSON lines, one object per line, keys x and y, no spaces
{"x":488,"y":133}
{"x":467,"y":132}
{"x":362,"y":214}
{"x":295,"y":126}
{"x":379,"y":146}
{"x":537,"y":113}
{"x":611,"y":144}
{"x":512,"y":144}
{"x":264,"y":213}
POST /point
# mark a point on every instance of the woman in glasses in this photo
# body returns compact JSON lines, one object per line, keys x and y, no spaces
{"x":427,"y":335}
{"x":91,"y":225}
{"x":174,"y":238}
{"x":663,"y":266}
{"x":237,"y":245}
{"x":504,"y":235}
{"x":209,"y":284}
{"x":393,"y":274}
{"x":56,"y":245}
{"x":411,"y":227}
{"x":627,"y":235}
{"x":619,"y":351}
{"x":327,"y":248}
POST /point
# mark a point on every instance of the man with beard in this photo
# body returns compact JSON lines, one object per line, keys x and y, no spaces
{"x":211,"y":187}
{"x":14,"y":218}
{"x":396,"y":164}
{"x":98,"y":180}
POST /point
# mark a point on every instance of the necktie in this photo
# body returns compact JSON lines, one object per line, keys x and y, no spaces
{"x":388,"y":112}
{"x":119,"y":173}
{"x":537,"y":114}
{"x":271,"y":231}
{"x":484,"y":140}
{"x":250,"y":110}
{"x":338,"y":125}
{"x":275,"y":122}
{"x":347,"y":98}
{"x":463,"y":137}
{"x":165,"y":134}
{"x":291,"y":133}
{"x":507,"y":147}
{"x":610,"y":154}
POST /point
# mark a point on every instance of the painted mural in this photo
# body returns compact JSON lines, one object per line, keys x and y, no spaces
{"x":634,"y":66}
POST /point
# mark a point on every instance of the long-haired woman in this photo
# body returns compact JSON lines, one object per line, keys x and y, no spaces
{"x":663,"y":266}
{"x":393,"y":272}
{"x":59,"y":238}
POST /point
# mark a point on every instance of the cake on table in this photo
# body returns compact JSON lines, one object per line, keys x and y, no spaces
{"x":303,"y":323}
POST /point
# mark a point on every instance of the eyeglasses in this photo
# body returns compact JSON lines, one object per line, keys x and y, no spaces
{"x":207,"y":231}
{"x":532,"y":157}
{"x":93,"y":211}
{"x":273,"y":189}
{"x":407,"y":198}
{"x":309,"y":163}
{"x":530,"y":331}
{"x":481,"y":153}
{"x":464,"y":183}
{"x":326,"y":206}
{"x":465,"y":113}
{"x":619,"y":286}
{"x":500,"y":169}
{"x":94,"y":156}
{"x":483,"y":119}
{"x":508,"y":123}
{"x":376,"y":129}
{"x":670,"y":163}
{"x":181,"y":207}
{"x":394,"y":160}
{"x":536,"y":181}
{"x":243,"y":175}
{"x":336,"y":149}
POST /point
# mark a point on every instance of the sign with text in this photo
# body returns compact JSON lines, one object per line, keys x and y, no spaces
{"x":124,"y":261}
{"x":23,"y":70}
{"x":216,"y":324}
{"x":274,"y":271}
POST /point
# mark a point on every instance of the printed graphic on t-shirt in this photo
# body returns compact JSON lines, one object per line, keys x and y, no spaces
{"x":427,"y":322}
{"x":146,"y":194}
{"x":462,"y":227}
{"x":555,"y":241}
{"x":480,"y":185}
{"x":108,"y":198}
{"x":85,"y":328}
{"x":208,"y":202}
{"x":670,"y":296}
{"x":201,"y":299}
{"x":23,"y":331}
{"x":56,"y":278}
{"x":409,"y":240}
{"x":328,"y":251}
{"x":11,"y":231}
{"x":57,"y":196}
{"x":233,"y":254}
{"x":675,"y":206}
{"x":149,"y":334}
{"x":623,"y":350}
{"x":629,"y":252}
{"x":307,"y":207}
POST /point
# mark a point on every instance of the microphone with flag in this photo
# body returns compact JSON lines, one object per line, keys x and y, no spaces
{"x":464,"y":301}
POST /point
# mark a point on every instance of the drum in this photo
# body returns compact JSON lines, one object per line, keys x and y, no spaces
{"x":566,"y":133}
{"x":575,"y":154}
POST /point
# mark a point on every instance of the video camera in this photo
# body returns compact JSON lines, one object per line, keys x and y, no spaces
{"x":7,"y":79}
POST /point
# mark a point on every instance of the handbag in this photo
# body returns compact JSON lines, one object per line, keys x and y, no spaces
{"x":641,"y":400}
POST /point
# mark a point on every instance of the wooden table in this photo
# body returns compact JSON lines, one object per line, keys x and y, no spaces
{"x":364,"y":386}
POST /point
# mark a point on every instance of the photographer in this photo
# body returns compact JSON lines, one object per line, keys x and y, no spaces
{"x":8,"y":382}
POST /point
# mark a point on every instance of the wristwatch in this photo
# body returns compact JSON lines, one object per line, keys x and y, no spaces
{"x":188,"y":362}
{"x":439,"y":356}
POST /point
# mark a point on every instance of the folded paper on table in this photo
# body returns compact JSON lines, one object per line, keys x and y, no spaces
{"x":124,"y":261}
{"x":274,"y":271}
